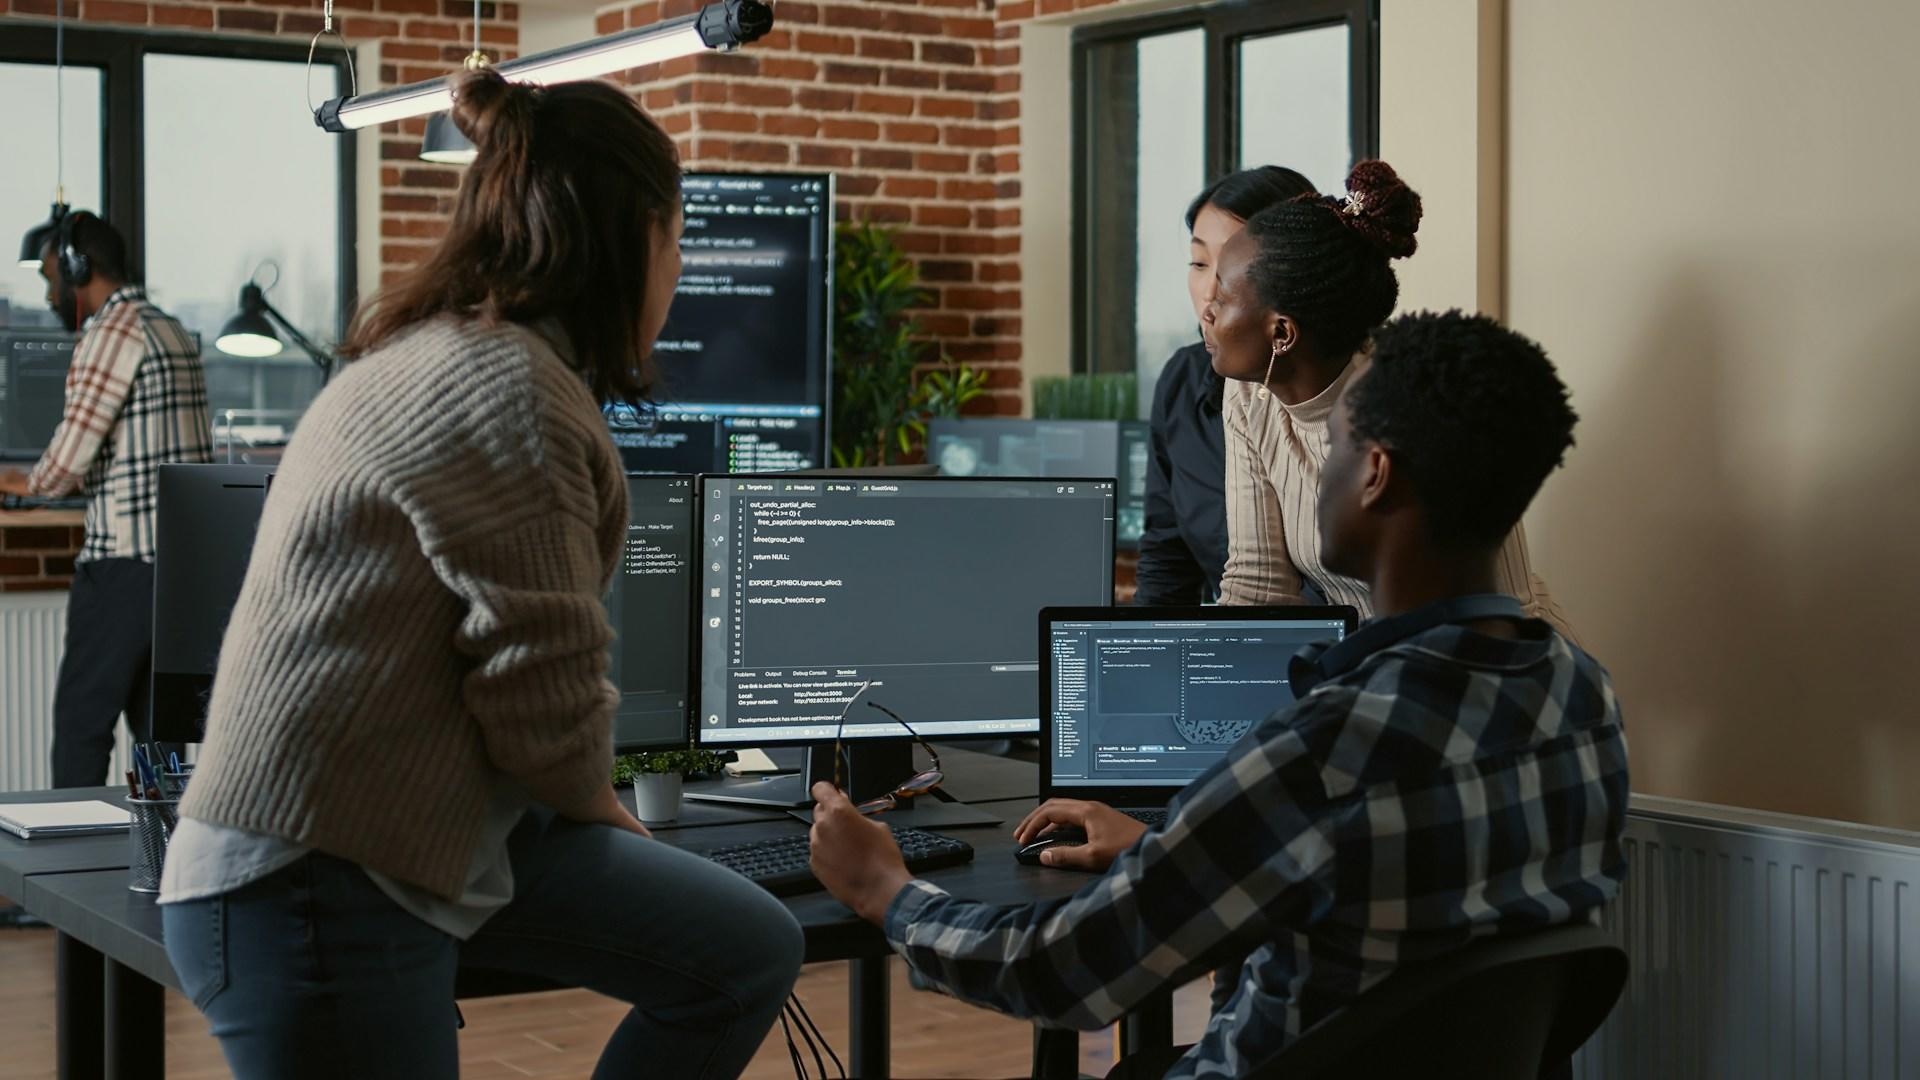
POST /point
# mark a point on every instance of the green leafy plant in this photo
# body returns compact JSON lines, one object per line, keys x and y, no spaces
{"x":685,"y":762}
{"x":888,"y":381}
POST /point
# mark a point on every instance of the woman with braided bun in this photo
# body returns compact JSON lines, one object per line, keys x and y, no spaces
{"x":1295,"y":297}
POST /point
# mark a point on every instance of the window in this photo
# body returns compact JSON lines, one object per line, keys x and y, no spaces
{"x":1166,"y":103}
{"x":202,"y":153}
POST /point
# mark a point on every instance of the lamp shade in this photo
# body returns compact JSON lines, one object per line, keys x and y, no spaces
{"x":249,"y":333}
{"x":35,"y":240}
{"x":445,"y":144}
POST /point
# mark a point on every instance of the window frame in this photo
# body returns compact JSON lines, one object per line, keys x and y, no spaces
{"x":121,"y":57}
{"x":1225,"y":28}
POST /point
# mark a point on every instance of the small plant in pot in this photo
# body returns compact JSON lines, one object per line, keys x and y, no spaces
{"x":657,"y":777}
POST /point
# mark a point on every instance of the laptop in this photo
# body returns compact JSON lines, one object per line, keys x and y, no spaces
{"x":1137,"y":702}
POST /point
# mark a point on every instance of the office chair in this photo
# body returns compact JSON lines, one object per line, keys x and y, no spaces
{"x":1505,"y":1008}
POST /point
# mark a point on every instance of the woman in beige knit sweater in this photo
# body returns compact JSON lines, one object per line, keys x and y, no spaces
{"x":408,"y":749}
{"x":1295,"y":296}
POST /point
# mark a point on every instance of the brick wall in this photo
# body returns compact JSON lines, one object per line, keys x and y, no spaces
{"x":415,"y":39}
{"x":37,"y":548}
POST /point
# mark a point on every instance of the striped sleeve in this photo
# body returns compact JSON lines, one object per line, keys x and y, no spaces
{"x":1259,"y":568}
{"x":97,"y":385}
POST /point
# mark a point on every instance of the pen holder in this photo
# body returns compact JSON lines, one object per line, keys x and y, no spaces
{"x":149,"y":827}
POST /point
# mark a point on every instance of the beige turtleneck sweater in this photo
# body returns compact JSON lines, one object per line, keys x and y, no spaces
{"x":422,"y":612}
{"x":1275,"y":453}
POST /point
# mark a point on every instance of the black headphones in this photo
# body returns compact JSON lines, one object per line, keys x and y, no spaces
{"x":76,"y":269}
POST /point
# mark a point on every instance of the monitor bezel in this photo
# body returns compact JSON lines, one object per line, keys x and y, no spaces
{"x":687,"y":712}
{"x":1149,"y":795}
{"x":697,"y":650}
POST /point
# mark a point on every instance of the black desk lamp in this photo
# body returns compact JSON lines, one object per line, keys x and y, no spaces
{"x":251,"y":332}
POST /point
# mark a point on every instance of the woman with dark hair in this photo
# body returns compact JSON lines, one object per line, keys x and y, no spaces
{"x":1294,"y":298}
{"x":407,"y":766}
{"x":1183,"y":548}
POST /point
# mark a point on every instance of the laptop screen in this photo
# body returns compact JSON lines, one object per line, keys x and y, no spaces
{"x":1141,"y":700}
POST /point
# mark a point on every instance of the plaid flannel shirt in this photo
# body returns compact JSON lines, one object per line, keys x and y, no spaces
{"x":1428,"y":786}
{"x":136,"y":400}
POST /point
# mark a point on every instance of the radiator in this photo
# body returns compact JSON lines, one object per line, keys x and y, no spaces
{"x":1764,"y":947}
{"x":33,"y":629}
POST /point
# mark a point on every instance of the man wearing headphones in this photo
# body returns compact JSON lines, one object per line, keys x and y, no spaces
{"x":136,"y":399}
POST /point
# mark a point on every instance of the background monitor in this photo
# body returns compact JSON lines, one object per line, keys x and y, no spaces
{"x":648,"y":606}
{"x":928,"y":587}
{"x":33,"y":386}
{"x":204,"y":533}
{"x":986,"y":446}
{"x":1141,"y":699}
{"x":746,"y":354}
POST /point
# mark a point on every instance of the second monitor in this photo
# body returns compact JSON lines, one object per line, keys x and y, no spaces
{"x":1001,"y":446}
{"x":924,"y":590}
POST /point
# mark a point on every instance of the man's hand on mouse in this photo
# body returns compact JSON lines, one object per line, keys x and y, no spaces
{"x":1109,"y":832}
{"x":854,"y":856}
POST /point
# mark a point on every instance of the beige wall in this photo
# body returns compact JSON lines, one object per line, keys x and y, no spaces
{"x":1714,"y":231}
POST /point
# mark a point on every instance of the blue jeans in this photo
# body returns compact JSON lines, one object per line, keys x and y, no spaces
{"x":313,"y":972}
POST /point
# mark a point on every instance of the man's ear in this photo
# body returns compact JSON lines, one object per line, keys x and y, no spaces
{"x":1376,"y":474}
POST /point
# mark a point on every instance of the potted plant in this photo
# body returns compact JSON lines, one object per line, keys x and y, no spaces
{"x":657,"y":777}
{"x":887,"y":380}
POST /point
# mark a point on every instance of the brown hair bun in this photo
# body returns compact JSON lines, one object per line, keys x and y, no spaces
{"x":494,"y":114}
{"x":1381,"y":207}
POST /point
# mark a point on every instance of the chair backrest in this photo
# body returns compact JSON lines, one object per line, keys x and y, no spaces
{"x":1503,"y":1008}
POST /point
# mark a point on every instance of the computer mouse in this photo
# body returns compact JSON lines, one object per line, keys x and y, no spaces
{"x":1065,"y":836}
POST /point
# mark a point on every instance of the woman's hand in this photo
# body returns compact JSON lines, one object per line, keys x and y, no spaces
{"x":1109,"y":832}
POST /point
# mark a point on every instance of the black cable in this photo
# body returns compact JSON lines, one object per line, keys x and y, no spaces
{"x":824,"y":1041}
{"x":793,"y":1052}
{"x":812,"y":1046}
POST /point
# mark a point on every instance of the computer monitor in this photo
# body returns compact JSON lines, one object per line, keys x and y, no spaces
{"x":648,"y":605}
{"x":746,"y":353}
{"x":208,"y":516}
{"x":995,"y":446}
{"x":204,"y":527}
{"x":922,"y":590}
{"x":1138,"y":701}
{"x":33,"y":386}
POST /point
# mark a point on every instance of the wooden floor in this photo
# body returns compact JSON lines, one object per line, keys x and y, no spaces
{"x":560,"y":1034}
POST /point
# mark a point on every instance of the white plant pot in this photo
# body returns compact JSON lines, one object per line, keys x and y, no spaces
{"x":656,"y":796}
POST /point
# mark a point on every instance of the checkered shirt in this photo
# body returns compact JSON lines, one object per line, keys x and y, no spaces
{"x":136,"y":400}
{"x":1430,"y":785}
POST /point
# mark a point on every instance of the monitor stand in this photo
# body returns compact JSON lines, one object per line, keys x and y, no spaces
{"x":874,"y":766}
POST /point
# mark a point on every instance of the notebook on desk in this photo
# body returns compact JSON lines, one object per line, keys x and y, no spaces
{"x":31,"y":821}
{"x":1137,"y":702}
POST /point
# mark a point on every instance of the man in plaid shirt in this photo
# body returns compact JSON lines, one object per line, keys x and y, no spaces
{"x":1452,"y":770}
{"x":136,"y":399}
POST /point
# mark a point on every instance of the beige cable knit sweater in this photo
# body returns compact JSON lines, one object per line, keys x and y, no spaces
{"x":423,"y":608}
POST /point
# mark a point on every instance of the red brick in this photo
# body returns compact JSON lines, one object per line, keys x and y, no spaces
{"x":855,"y":16}
{"x":834,"y":128}
{"x":113,"y":11}
{"x":913,"y":133}
{"x":778,"y":67}
{"x":968,"y":29}
{"x":815,"y":43}
{"x":1007,"y":82}
{"x":363,"y":28}
{"x":1004,"y":217}
{"x":608,"y":22}
{"x":715,"y":120}
{"x":413,"y":73}
{"x":20,"y":566}
{"x":949,"y":108}
{"x":1000,"y":272}
{"x":1055,"y":7}
{"x":911,"y":22}
{"x":794,"y":13}
{"x":884,"y":104}
{"x":956,"y":135}
{"x":941,"y":52}
{"x":763,"y":153}
{"x":855,"y":187}
{"x":826,"y":101}
{"x":913,"y":78}
{"x":731,"y":65}
{"x":417,"y":204}
{"x":432,"y":228}
{"x":1004,"y":57}
{"x":829,"y":157}
{"x":442,"y":179}
{"x":658,"y":97}
{"x":393,"y":254}
{"x":643,"y":14}
{"x":1015,"y":11}
{"x":245,"y":19}
{"x":1004,"y":109}
{"x":36,"y":585}
{"x":677,"y":124}
{"x":919,"y":243}
{"x":409,"y":7}
{"x":295,"y":22}
{"x":968,"y":82}
{"x":942,"y":163}
{"x":852,"y":74}
{"x":887,"y":213}
{"x":1006,"y":189}
{"x":790,"y":124}
{"x":945,"y":271}
{"x":1006,"y":136}
{"x":37,"y":538}
{"x":760,"y":95}
{"x":432,"y":30}
{"x":996,"y":326}
{"x":191,"y":18}
{"x":944,"y":325}
{"x":704,"y":91}
{"x":497,"y":34}
{"x":399,"y":149}
{"x":967,"y":190}
{"x":910,"y":187}
{"x":880,"y":158}
{"x":1000,"y":163}
{"x":886,"y":48}
{"x":950,"y":217}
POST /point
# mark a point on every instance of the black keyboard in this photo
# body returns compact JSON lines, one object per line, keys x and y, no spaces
{"x":1152,"y":819}
{"x":780,"y":865}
